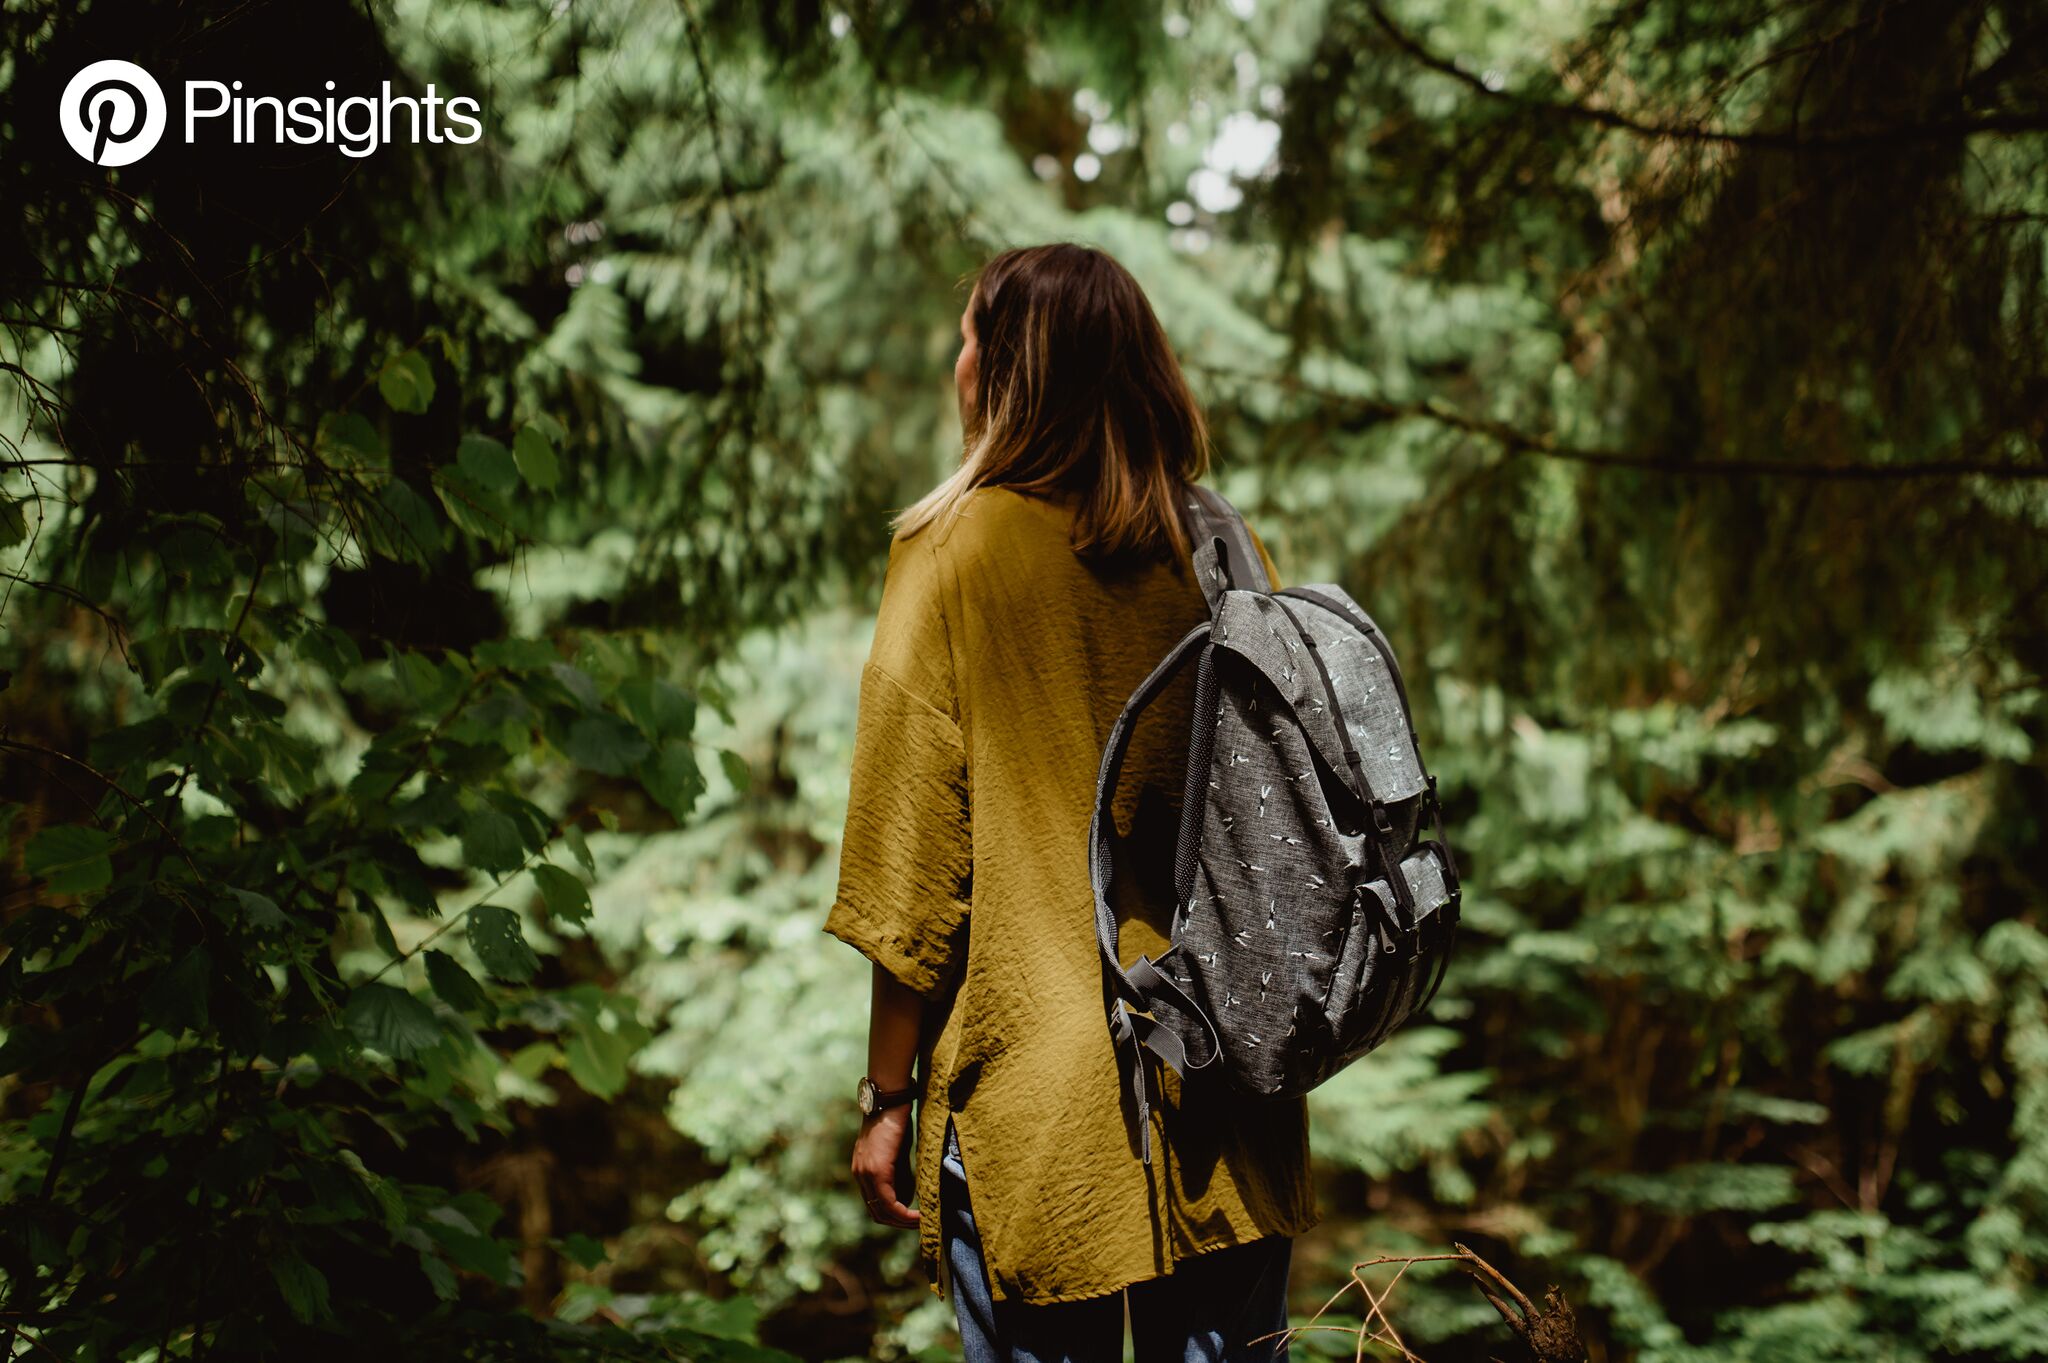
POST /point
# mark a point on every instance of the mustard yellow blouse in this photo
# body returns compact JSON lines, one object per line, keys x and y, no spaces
{"x":999,"y":662}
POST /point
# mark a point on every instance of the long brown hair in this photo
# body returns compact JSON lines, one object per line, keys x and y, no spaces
{"x":1077,"y":393}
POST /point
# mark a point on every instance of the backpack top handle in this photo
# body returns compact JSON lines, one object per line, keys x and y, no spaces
{"x":1224,"y":556}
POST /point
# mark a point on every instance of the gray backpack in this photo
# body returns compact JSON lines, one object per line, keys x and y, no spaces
{"x":1312,"y":916}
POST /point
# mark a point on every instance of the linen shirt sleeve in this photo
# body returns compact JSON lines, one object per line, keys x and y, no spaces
{"x":906,"y":861}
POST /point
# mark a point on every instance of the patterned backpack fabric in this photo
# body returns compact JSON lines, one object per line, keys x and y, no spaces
{"x":1313,"y":916}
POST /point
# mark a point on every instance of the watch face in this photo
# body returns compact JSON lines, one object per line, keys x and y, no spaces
{"x":866,"y":1096}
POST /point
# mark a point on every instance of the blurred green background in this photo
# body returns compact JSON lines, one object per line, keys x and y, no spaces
{"x":433,"y":586}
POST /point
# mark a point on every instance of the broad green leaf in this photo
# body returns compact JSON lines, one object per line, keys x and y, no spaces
{"x":471,"y":1249}
{"x":439,"y":1275}
{"x":259,"y":909}
{"x":303,"y":1286}
{"x":71,"y":858}
{"x":457,"y":987}
{"x":566,"y":896}
{"x":490,"y":841}
{"x":424,"y":679}
{"x":582,"y":1250}
{"x":495,"y":937}
{"x":28,"y":1049}
{"x":676,"y":779}
{"x":403,"y":525}
{"x":351,"y":433}
{"x":289,"y":1040}
{"x":488,"y":462}
{"x":176,"y":999}
{"x":13,"y":524}
{"x":661,"y":708}
{"x":536,"y":459}
{"x":380,"y":926}
{"x":518,"y":655}
{"x":577,"y":682}
{"x":476,"y":509}
{"x":296,"y":521}
{"x":534,"y":1059}
{"x":597,"y":1058}
{"x":146,"y":740}
{"x":391,"y":1020}
{"x":735,"y":770}
{"x":407,"y":382}
{"x":580,"y":845}
{"x":605,"y":743}
{"x":330,"y":648}
{"x":535,"y":826}
{"x":736,"y":1319}
{"x":390,"y":1201}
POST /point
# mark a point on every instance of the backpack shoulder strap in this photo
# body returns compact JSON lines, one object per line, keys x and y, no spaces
{"x":1131,"y":993}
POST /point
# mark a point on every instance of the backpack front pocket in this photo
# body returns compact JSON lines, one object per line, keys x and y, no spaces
{"x":1388,"y":961}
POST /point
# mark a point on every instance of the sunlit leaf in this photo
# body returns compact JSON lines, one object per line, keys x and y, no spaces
{"x":536,"y":459}
{"x":407,"y":382}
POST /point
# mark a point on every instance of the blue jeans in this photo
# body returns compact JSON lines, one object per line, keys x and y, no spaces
{"x":1208,"y":1310}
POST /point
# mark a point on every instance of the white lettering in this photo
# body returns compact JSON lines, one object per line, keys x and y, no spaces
{"x":359,"y":125}
{"x":475,"y":125}
{"x":193,"y":112}
{"x":433,"y":103}
{"x":357,"y":141}
{"x":305,"y":112}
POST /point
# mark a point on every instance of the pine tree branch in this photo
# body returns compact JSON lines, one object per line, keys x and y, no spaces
{"x":1363,"y":413}
{"x":2000,"y":123}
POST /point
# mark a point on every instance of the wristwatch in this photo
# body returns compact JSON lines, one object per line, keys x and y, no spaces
{"x":873,"y":1100}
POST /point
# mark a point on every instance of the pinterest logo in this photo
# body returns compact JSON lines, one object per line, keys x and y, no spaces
{"x":113,"y":113}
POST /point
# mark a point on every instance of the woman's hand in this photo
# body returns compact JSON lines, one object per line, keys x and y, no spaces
{"x":879,"y":1167}
{"x":895,"y":1018}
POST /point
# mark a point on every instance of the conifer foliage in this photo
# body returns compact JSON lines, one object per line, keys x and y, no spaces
{"x":431,"y":589}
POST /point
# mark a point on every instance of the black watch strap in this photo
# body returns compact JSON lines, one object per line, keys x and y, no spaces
{"x":874,"y":1098}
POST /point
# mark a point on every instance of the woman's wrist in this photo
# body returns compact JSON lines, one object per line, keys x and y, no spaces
{"x":893,"y":1027}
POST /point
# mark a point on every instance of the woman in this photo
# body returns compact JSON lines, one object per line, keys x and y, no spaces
{"x":1026,"y":597}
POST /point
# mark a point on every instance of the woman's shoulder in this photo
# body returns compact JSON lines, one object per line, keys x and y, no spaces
{"x":989,"y":528}
{"x":998,"y":521}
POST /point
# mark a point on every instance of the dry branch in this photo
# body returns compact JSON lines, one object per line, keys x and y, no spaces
{"x":1548,"y":1334}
